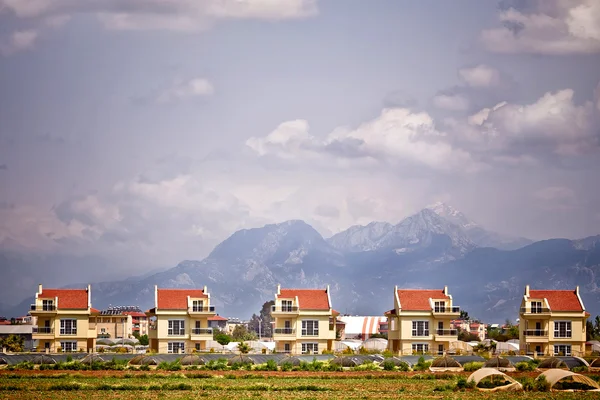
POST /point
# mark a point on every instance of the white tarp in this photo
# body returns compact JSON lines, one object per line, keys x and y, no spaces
{"x":361,"y":327}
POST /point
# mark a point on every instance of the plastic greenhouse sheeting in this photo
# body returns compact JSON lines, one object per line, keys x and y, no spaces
{"x":263,"y":358}
{"x":552,"y":362}
{"x":243,"y":359}
{"x":573,"y":362}
{"x":43,"y":359}
{"x":413,"y":360}
{"x":483,"y":373}
{"x":462,"y":360}
{"x":555,"y":375}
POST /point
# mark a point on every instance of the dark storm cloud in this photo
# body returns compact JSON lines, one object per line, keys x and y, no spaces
{"x":3,"y":167}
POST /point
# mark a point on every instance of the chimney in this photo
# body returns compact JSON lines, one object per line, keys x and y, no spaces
{"x":445,"y":290}
{"x":40,"y":288}
{"x":278,"y":289}
{"x":156,"y":296}
{"x":527,"y":290}
{"x":205,"y":290}
{"x":89,"y":291}
{"x":327,"y":289}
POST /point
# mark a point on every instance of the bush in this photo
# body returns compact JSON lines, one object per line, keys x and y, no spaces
{"x":472,"y":366}
{"x":541,"y":384}
{"x":169,"y":366}
{"x":286,"y":366}
{"x":581,"y":368}
{"x":144,"y":367}
{"x":525,"y":366}
{"x":217,"y":365}
{"x":388,"y":365}
{"x":462,"y":383}
{"x":271,"y":365}
{"x":387,"y":354}
{"x":421,"y":365}
{"x":493,"y":381}
{"x":367,"y":366}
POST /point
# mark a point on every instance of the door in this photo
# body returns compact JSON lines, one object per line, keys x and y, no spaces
{"x":440,"y":327}
{"x":440,"y":349}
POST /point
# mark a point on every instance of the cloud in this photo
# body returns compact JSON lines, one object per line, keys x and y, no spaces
{"x":3,"y":167}
{"x":182,"y":15}
{"x":196,"y":87}
{"x":451,"y":101}
{"x":556,"y":198}
{"x":555,"y":27}
{"x":480,"y":76}
{"x":396,"y":136}
{"x":18,"y":41}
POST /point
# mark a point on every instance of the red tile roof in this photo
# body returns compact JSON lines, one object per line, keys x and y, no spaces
{"x":217,"y":318}
{"x":94,"y":311}
{"x":67,"y":298}
{"x":134,"y":313}
{"x":176,"y":299}
{"x":418,"y":299}
{"x":308,"y":299}
{"x":558,"y":300}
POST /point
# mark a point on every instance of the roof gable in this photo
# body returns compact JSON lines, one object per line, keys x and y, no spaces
{"x":68,"y":299}
{"x":308,"y":299}
{"x":418,"y":299}
{"x":176,"y":299}
{"x":558,"y":300}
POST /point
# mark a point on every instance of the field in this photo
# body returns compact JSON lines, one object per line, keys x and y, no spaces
{"x":35,"y":384}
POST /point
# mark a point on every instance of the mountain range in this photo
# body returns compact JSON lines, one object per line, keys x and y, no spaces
{"x":486,"y":272}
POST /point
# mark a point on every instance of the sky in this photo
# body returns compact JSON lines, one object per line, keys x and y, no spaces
{"x":149,"y":131}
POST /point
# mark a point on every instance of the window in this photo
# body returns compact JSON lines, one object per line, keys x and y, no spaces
{"x":286,"y":347}
{"x":286,"y":305}
{"x":440,"y":306}
{"x":420,"y":348}
{"x":47,"y":305}
{"x":562,"y":329}
{"x":176,"y":327}
{"x":310,"y":327}
{"x":68,"y":327}
{"x":441,"y":325}
{"x":536,"y":307}
{"x":393,"y":325}
{"x":420,"y":328}
{"x":440,"y":349}
{"x":562,"y":350}
{"x":197,"y":346}
{"x":310,"y":348}
{"x":197,"y":305}
{"x":176,"y":347}
{"x":287,"y":324}
{"x":68,"y":346}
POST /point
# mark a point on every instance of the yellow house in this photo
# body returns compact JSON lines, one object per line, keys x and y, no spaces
{"x":304,"y":322}
{"x":420,"y":321}
{"x":552,"y":322}
{"x":181,"y":320}
{"x":63,"y":320}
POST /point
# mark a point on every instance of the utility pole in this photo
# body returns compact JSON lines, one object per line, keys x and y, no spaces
{"x":259,"y":328}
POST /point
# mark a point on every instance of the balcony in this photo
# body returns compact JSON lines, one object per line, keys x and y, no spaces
{"x":446,"y":332}
{"x":284,"y":331}
{"x":202,"y":331}
{"x":535,"y":332}
{"x":43,"y":330}
{"x":285,"y":309}
{"x":208,"y":309}
{"x":535,"y":310}
{"x":176,"y":332}
{"x":446,"y":310}
{"x":43,"y":308}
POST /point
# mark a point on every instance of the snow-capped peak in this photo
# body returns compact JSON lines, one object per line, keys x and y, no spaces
{"x":452,"y":214}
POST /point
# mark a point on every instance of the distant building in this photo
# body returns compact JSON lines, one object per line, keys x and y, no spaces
{"x":552,"y":322}
{"x":23,"y":330}
{"x":358,"y":327}
{"x":218,"y":322}
{"x":117,"y":322}
{"x":181,"y":320}
{"x":420,"y":321}
{"x":304,"y":322}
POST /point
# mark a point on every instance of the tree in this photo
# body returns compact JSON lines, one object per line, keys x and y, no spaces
{"x":263,"y":319}
{"x":466,"y":336}
{"x":221,"y":337}
{"x":144,"y":341}
{"x":13,"y":343}
{"x":241,"y":333}
{"x":464,"y":315}
{"x":244,"y":348}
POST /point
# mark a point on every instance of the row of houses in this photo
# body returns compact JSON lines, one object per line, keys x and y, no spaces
{"x":552,"y":322}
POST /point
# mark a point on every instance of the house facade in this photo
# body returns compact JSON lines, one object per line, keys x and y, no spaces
{"x":420,"y":321}
{"x":63,"y":320}
{"x":180,"y":320}
{"x":552,"y":322}
{"x":114,"y":323}
{"x":303,"y":321}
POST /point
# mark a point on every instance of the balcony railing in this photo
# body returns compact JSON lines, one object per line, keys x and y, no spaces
{"x":446,"y":332}
{"x":284,"y":331}
{"x":72,"y":332}
{"x":202,"y":331}
{"x":535,"y":310}
{"x":176,"y":332}
{"x":284,"y":309}
{"x":447,"y":310}
{"x":201,"y":309}
{"x":535,"y":332}
{"x":43,"y":329}
{"x":35,"y":307}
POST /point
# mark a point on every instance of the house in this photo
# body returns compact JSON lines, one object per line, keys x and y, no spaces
{"x":114,"y":323}
{"x":304,"y":321}
{"x":552,"y":322}
{"x":478,"y":329}
{"x":181,"y":320}
{"x":64,"y":320}
{"x":139,"y":320}
{"x":218,"y":322}
{"x":420,"y":321}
